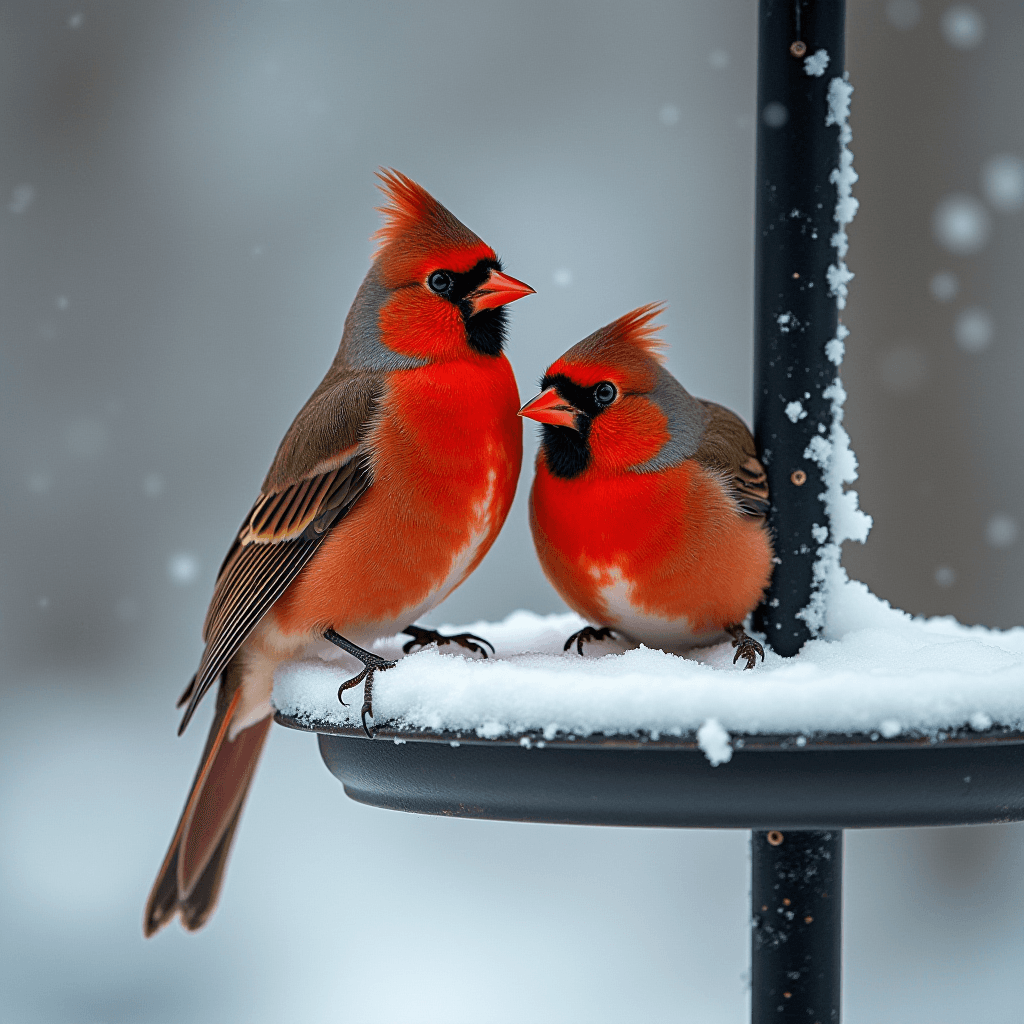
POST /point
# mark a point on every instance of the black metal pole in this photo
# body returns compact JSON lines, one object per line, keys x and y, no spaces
{"x":795,"y":314}
{"x":797,"y":898}
{"x":796,"y":889}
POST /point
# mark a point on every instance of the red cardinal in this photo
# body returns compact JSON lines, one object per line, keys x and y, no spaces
{"x":648,"y":507}
{"x":385,"y":494}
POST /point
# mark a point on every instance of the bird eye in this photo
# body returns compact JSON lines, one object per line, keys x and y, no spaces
{"x":440,"y":282}
{"x":604,"y":393}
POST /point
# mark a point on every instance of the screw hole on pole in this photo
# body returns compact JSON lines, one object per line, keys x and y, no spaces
{"x":775,"y":838}
{"x":798,"y":477}
{"x":798,"y":49}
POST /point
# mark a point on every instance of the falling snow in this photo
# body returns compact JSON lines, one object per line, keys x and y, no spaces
{"x":1002,"y":182}
{"x":22,"y":197}
{"x":668,"y":115}
{"x":961,"y":224}
{"x":182,"y":568}
{"x":775,"y":114}
{"x":944,"y":286}
{"x":963,"y":27}
{"x":1001,"y":531}
{"x":973,"y":330}
{"x":153,"y":485}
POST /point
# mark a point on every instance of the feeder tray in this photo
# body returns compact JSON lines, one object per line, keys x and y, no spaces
{"x":771,"y":782}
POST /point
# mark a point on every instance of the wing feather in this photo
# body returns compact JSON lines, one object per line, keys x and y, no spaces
{"x":277,"y":539}
{"x":268,"y":554}
{"x":318,"y":474}
{"x":728,"y":446}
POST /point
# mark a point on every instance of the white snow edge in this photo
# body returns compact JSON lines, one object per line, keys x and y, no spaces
{"x":877,"y":671}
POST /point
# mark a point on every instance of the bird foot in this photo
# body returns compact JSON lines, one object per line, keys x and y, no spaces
{"x":422,"y":637}
{"x":371,"y":663}
{"x":588,"y":633}
{"x":746,"y":646}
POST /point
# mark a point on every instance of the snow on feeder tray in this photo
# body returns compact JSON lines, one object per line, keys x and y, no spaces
{"x":895,"y":721}
{"x":860,"y":715}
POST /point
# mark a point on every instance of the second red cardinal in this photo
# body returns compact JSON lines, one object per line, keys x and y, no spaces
{"x":648,"y":507}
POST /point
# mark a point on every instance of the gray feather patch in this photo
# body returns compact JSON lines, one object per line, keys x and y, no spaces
{"x":687,"y":419}
{"x":361,"y":345}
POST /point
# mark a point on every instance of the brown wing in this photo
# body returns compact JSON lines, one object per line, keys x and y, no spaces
{"x":278,"y":538}
{"x":727,"y":445}
{"x":306,"y":494}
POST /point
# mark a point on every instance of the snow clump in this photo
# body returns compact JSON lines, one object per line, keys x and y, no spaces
{"x":815,"y":64}
{"x":796,"y":411}
{"x":714,"y":741}
{"x":843,"y":177}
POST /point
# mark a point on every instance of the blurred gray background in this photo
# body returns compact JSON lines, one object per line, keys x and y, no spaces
{"x":187,"y":198}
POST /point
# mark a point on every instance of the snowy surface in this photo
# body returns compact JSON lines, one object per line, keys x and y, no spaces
{"x":875,"y":669}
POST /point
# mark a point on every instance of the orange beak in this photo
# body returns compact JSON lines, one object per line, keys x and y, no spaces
{"x":550,"y":407}
{"x":498,"y":290}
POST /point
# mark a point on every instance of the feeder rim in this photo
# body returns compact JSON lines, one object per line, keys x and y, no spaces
{"x":962,"y":736}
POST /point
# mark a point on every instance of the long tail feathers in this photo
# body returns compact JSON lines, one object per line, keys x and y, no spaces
{"x":190,"y":877}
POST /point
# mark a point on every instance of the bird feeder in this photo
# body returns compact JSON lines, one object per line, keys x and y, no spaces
{"x":796,"y":794}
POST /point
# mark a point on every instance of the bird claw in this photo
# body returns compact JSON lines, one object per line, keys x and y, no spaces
{"x":746,"y":647}
{"x":378,"y":665}
{"x":422,"y":637}
{"x":366,"y":678}
{"x":371,"y":663}
{"x":588,"y":633}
